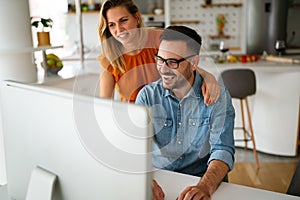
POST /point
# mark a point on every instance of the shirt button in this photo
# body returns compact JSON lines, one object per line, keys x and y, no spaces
{"x":165,"y":124}
{"x":194,"y":124}
{"x":179,"y":142}
{"x":180,"y":158}
{"x":179,"y":123}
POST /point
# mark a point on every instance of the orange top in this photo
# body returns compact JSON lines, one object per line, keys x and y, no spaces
{"x":140,"y":69}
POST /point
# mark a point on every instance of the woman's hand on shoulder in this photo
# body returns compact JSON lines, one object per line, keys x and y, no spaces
{"x":210,"y":89}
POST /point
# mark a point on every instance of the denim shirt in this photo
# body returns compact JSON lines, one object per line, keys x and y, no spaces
{"x":189,"y":134}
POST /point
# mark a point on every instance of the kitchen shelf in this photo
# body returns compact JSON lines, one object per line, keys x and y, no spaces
{"x":152,"y":15}
{"x":84,"y":12}
{"x":221,"y":5}
{"x":186,"y":22}
{"x":214,"y":37}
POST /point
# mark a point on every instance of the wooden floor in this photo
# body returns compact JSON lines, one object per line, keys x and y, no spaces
{"x":273,"y":176}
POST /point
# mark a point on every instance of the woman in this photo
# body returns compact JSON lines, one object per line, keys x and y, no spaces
{"x":128,"y":52}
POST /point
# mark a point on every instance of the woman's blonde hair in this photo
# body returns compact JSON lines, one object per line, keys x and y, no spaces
{"x":111,"y":48}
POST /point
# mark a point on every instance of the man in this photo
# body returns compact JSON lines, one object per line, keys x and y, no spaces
{"x":190,"y":137}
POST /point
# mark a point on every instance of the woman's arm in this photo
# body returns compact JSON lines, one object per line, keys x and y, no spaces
{"x":210,"y":87}
{"x":107,"y":85}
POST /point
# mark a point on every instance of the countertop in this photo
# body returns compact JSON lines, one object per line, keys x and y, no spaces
{"x":209,"y":65}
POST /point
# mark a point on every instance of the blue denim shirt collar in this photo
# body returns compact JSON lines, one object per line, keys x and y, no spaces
{"x":194,"y":91}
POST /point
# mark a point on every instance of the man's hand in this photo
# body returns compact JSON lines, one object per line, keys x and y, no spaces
{"x":208,"y":184}
{"x":195,"y":193}
{"x":157,"y":192}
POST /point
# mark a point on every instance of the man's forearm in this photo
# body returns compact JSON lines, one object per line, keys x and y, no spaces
{"x":214,"y":175}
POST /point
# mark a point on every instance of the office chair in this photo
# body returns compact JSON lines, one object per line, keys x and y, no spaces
{"x":241,"y":83}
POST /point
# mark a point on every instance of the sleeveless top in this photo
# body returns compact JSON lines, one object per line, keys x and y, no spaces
{"x":140,"y":69}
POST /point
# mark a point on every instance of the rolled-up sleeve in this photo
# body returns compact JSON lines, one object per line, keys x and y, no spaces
{"x":221,"y":131}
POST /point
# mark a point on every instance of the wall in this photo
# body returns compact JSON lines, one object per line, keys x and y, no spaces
{"x":179,"y":11}
{"x":204,"y":20}
{"x":89,"y":31}
{"x":199,"y":18}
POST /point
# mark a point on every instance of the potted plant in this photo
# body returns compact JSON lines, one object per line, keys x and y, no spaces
{"x":43,"y":25}
{"x":221,"y":20}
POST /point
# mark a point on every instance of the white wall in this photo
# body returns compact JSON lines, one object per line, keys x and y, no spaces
{"x":89,"y":30}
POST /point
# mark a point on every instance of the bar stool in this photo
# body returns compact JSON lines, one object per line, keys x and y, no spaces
{"x":241,"y":83}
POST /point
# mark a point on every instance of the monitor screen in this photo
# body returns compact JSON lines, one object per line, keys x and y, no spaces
{"x":97,"y":148}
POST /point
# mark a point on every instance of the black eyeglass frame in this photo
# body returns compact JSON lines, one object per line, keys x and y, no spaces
{"x":171,"y":59}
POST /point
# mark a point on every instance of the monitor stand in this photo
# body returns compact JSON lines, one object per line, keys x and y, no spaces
{"x":41,"y":184}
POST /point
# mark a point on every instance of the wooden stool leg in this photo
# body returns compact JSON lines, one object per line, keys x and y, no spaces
{"x":252,"y":135}
{"x":243,"y":124}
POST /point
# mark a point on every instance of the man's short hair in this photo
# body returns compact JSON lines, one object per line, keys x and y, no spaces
{"x":183,"y":33}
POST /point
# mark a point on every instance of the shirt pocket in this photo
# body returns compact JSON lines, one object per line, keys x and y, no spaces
{"x":163,"y":131}
{"x":199,"y":129}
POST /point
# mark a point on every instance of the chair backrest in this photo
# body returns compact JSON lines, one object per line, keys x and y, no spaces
{"x":294,"y":188}
{"x":239,"y":82}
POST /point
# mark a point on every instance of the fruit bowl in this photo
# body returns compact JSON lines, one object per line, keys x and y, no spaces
{"x":54,"y":71}
{"x":54,"y":64}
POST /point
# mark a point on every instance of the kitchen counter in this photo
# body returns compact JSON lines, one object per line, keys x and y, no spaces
{"x":274,"y":108}
{"x":262,"y":65}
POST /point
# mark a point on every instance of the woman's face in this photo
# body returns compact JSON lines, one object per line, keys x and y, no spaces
{"x":122,"y":24}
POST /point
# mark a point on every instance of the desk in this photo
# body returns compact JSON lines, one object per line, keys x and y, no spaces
{"x":173,"y":183}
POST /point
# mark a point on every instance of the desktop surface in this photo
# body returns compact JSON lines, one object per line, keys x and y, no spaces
{"x":174,"y":183}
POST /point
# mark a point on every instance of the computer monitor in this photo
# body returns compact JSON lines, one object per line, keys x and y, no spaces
{"x":97,"y":148}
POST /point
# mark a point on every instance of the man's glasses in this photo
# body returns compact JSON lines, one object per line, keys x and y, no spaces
{"x":171,"y":63}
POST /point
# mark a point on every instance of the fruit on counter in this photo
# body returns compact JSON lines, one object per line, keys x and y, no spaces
{"x":54,"y":64}
{"x":50,"y":62}
{"x":59,"y":64}
{"x":254,"y":58}
{"x":249,"y":58}
{"x":232,"y":59}
{"x":53,"y":61}
{"x":236,"y":58}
